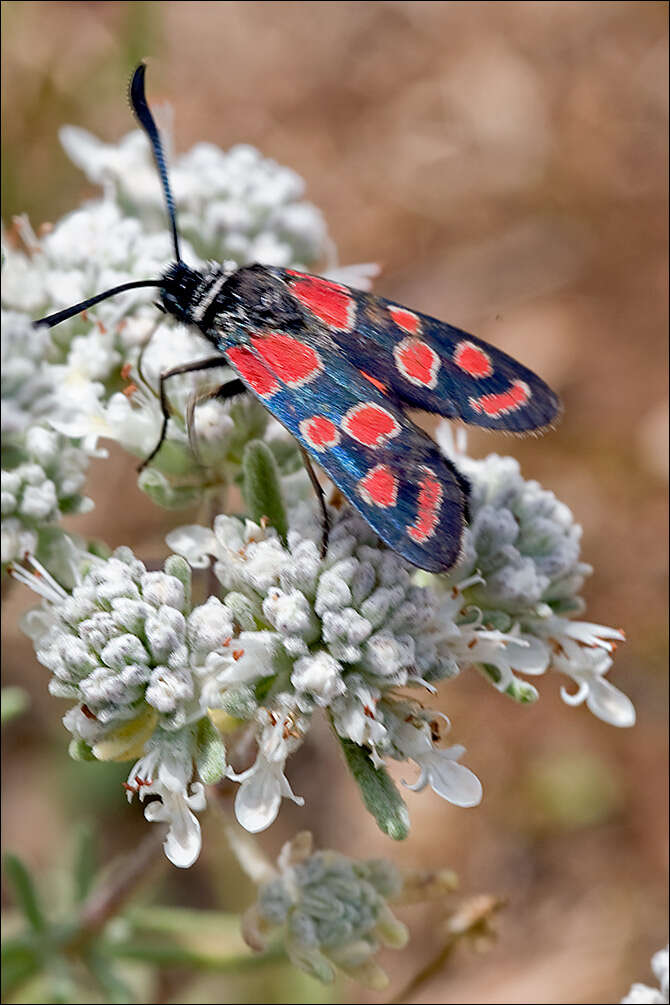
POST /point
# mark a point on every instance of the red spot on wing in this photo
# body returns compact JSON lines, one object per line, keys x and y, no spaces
{"x":375,"y":383}
{"x":253,"y":371}
{"x":473,"y":360}
{"x":288,"y":358}
{"x":494,"y":405}
{"x":379,"y":487}
{"x":417,"y":362}
{"x":407,"y":320}
{"x":370,"y":424}
{"x":319,"y":432}
{"x":428,"y":507}
{"x":330,"y":302}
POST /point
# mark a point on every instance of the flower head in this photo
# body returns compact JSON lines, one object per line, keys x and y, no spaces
{"x":522,"y":550}
{"x":236,"y":205}
{"x":346,"y":632}
{"x":27,"y":386}
{"x":142,"y":667}
{"x":330,"y":911}
{"x":43,"y":471}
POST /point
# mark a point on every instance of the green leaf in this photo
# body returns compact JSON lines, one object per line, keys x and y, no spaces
{"x":25,"y":892}
{"x":380,"y":795}
{"x":262,"y":490}
{"x":210,"y":752}
{"x":20,"y":962}
{"x":13,"y":701}
{"x":116,"y":990}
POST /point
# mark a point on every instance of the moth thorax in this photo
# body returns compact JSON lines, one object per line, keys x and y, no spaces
{"x":207,"y":293}
{"x":188,"y":293}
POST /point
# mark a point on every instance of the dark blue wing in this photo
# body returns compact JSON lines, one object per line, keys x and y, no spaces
{"x":393,"y":474}
{"x":424,"y":363}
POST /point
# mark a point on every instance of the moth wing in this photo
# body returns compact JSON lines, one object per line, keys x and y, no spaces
{"x":427,"y":364}
{"x":390,"y":471}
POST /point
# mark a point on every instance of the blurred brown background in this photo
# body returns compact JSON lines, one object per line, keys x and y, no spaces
{"x":506,"y":163}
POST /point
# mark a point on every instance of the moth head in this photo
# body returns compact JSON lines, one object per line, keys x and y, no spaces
{"x":180,"y":291}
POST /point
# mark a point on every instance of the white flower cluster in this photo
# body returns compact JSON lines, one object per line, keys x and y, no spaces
{"x":26,"y":381}
{"x":90,"y":250}
{"x":39,"y":490}
{"x":43,"y":471}
{"x":348,"y":631}
{"x":296,"y":634}
{"x":522,"y":552}
{"x":330,"y":911}
{"x":237,"y":205}
{"x":142,"y":666}
{"x":643,"y":994}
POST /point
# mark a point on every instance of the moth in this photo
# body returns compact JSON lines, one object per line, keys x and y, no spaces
{"x":340,"y":368}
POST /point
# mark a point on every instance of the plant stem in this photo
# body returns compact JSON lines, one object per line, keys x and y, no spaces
{"x":120,"y":885}
{"x":473,"y":917}
{"x":254,"y":863}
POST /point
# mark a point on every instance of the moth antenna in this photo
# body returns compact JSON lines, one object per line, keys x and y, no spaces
{"x":69,"y":312}
{"x":142,"y":111}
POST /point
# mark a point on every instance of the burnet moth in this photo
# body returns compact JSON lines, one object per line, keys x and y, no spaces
{"x":339,"y":368}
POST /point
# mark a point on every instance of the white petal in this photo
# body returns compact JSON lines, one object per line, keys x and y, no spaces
{"x":320,"y":676}
{"x":421,"y":781}
{"x":258,"y":799}
{"x":258,"y":651}
{"x":610,"y":704}
{"x":593,"y":635}
{"x":453,"y":781}
{"x":183,"y":841}
{"x":288,"y":793}
{"x":195,"y":543}
{"x":578,"y":697}
{"x":197,"y":801}
{"x":529,"y":655}
{"x":174,"y":772}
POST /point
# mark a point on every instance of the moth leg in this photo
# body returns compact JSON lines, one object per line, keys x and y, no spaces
{"x":231,"y":389}
{"x":466,"y":490}
{"x":192,"y":367}
{"x":325,"y":519}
